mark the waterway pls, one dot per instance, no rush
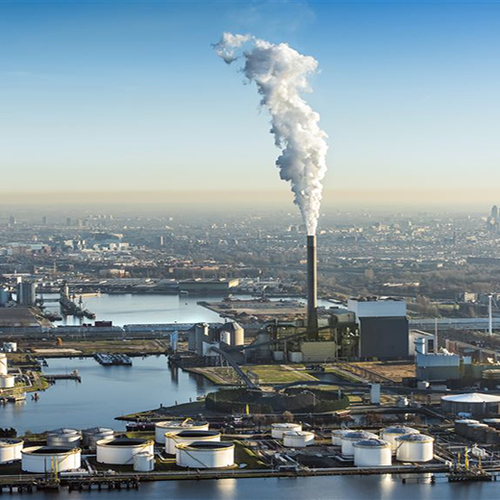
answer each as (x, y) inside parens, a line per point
(103, 394)
(384, 487)
(126, 309)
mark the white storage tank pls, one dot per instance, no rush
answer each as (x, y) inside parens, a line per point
(298, 439)
(144, 462)
(10, 450)
(64, 437)
(176, 426)
(121, 451)
(372, 453)
(415, 448)
(277, 430)
(390, 434)
(7, 381)
(337, 436)
(42, 459)
(203, 455)
(92, 435)
(349, 438)
(188, 436)
(3, 363)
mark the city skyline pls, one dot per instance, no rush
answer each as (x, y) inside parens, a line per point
(118, 97)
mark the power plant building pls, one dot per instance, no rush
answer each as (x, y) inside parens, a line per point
(383, 327)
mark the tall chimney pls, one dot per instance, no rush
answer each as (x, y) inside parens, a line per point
(312, 284)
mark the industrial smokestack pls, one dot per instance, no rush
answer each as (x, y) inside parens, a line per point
(312, 284)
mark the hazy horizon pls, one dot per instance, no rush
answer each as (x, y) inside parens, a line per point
(373, 200)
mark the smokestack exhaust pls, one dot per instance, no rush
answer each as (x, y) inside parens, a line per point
(312, 285)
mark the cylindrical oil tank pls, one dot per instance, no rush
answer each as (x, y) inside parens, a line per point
(349, 438)
(92, 435)
(3, 364)
(42, 459)
(188, 436)
(372, 453)
(390, 434)
(121, 451)
(10, 450)
(492, 422)
(64, 437)
(298, 439)
(461, 425)
(205, 455)
(176, 426)
(477, 432)
(144, 462)
(7, 381)
(277, 430)
(415, 448)
(492, 436)
(337, 436)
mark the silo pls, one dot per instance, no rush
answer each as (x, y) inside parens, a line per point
(144, 462)
(4, 297)
(415, 448)
(10, 450)
(44, 459)
(350, 438)
(298, 439)
(237, 335)
(201, 335)
(172, 439)
(176, 426)
(203, 455)
(372, 453)
(92, 435)
(390, 434)
(3, 364)
(64, 437)
(121, 451)
(277, 430)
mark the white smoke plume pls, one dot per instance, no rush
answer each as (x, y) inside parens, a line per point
(280, 74)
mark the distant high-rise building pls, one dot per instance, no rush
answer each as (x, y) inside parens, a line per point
(68, 221)
(12, 220)
(44, 221)
(26, 293)
(494, 212)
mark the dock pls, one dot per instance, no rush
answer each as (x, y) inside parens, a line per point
(65, 376)
(113, 359)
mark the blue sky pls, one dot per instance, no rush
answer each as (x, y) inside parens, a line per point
(119, 96)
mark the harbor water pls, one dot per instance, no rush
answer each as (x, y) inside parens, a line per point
(312, 488)
(104, 393)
